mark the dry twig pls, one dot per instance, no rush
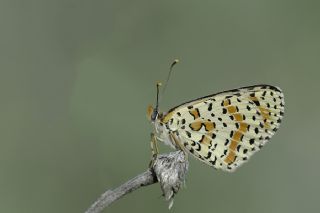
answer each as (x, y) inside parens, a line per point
(168, 169)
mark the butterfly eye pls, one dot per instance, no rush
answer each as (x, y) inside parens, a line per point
(154, 115)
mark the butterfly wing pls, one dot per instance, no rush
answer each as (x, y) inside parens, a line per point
(225, 129)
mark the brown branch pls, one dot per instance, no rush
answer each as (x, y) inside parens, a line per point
(169, 169)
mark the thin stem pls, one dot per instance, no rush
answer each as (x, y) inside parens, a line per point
(144, 179)
(169, 169)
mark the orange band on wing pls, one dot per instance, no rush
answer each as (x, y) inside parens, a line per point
(265, 116)
(209, 125)
(237, 136)
(231, 155)
(196, 126)
(243, 127)
(231, 109)
(195, 113)
(238, 117)
(264, 112)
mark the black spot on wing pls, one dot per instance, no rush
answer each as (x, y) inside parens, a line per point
(209, 155)
(256, 102)
(188, 134)
(198, 148)
(251, 141)
(227, 142)
(214, 161)
(183, 121)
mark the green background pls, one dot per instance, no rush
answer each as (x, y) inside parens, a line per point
(76, 77)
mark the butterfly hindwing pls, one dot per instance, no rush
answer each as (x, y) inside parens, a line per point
(225, 129)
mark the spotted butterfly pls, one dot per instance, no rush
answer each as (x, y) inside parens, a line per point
(225, 129)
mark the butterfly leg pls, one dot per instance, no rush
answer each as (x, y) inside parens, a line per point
(179, 145)
(154, 150)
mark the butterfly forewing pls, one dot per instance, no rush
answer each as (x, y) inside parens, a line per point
(225, 129)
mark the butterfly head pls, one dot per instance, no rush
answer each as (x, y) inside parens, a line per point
(153, 114)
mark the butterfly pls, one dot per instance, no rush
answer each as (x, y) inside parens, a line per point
(224, 129)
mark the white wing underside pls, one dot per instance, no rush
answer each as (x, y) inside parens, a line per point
(223, 130)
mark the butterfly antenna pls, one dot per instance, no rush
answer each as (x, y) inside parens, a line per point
(158, 89)
(168, 77)
(156, 110)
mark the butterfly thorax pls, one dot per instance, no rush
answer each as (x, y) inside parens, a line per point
(162, 128)
(162, 133)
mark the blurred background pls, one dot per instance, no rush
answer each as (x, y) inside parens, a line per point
(76, 77)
